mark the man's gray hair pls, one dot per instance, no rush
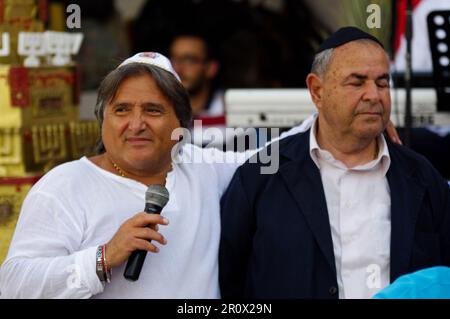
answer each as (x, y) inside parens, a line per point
(321, 62)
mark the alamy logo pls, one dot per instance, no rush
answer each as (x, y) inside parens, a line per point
(73, 20)
(374, 19)
(74, 279)
(374, 278)
(235, 150)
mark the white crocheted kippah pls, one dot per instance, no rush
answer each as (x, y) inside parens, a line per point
(152, 58)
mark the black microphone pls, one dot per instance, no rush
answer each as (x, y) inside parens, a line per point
(156, 197)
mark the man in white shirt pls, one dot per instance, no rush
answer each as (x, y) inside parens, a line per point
(325, 225)
(78, 224)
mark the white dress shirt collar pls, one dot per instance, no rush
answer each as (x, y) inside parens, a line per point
(316, 152)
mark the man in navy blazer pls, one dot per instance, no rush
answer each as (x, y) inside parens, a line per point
(347, 212)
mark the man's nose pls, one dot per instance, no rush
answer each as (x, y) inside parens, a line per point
(137, 122)
(372, 92)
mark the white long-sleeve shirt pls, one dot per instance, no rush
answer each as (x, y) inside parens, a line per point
(358, 203)
(78, 206)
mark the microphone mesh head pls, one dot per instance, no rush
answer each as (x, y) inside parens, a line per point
(157, 195)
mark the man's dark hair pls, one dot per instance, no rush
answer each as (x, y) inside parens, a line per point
(166, 82)
(211, 52)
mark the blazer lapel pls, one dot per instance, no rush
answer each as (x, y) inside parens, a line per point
(304, 183)
(406, 198)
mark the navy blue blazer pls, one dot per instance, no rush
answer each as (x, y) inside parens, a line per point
(276, 239)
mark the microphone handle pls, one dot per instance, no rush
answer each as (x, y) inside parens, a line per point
(137, 257)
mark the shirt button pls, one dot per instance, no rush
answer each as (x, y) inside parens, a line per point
(333, 290)
(349, 239)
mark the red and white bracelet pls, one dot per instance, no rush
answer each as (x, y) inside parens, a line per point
(103, 271)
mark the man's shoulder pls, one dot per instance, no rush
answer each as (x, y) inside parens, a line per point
(62, 175)
(287, 147)
(67, 168)
(282, 151)
(407, 156)
(413, 163)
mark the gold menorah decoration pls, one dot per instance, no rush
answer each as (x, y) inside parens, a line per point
(82, 137)
(49, 143)
(10, 146)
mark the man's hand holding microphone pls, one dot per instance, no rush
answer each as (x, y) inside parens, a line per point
(133, 239)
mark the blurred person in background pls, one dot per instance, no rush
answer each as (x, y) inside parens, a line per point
(193, 59)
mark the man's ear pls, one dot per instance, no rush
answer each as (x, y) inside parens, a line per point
(315, 87)
(212, 69)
